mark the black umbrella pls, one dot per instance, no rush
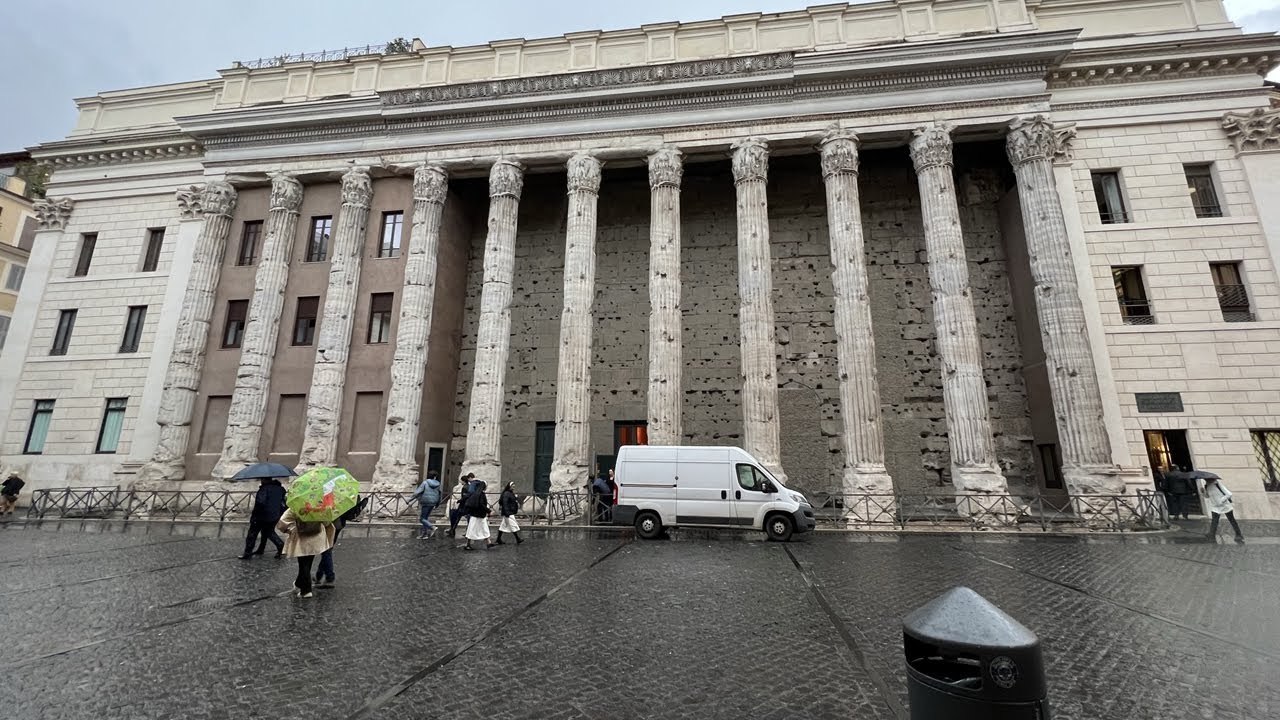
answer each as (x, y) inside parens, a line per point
(259, 471)
(1201, 475)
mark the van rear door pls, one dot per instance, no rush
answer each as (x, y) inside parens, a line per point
(702, 487)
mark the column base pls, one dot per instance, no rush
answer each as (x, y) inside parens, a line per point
(396, 476)
(487, 471)
(868, 497)
(159, 475)
(992, 506)
(1094, 480)
(226, 468)
(565, 478)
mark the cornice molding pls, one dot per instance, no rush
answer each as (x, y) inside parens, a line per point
(1160, 99)
(1120, 71)
(91, 158)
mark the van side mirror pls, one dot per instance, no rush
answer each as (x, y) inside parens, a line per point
(768, 487)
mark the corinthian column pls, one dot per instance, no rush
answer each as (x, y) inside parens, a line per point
(493, 338)
(258, 349)
(665, 364)
(974, 468)
(216, 202)
(570, 464)
(1073, 380)
(329, 375)
(398, 460)
(760, 423)
(864, 470)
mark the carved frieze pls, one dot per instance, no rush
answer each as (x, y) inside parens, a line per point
(839, 150)
(666, 166)
(596, 79)
(1257, 130)
(584, 173)
(931, 146)
(53, 214)
(750, 160)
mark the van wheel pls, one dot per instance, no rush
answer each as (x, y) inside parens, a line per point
(648, 525)
(779, 527)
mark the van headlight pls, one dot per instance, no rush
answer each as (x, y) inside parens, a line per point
(799, 498)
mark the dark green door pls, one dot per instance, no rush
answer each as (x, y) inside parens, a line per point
(544, 445)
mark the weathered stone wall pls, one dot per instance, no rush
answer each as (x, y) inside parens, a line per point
(910, 381)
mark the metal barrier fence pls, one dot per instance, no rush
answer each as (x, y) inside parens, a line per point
(1144, 510)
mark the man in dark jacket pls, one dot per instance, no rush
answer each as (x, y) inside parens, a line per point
(9, 493)
(468, 485)
(1179, 491)
(268, 506)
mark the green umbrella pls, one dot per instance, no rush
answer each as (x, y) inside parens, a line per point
(322, 494)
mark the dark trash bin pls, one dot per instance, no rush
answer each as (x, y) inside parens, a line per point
(967, 659)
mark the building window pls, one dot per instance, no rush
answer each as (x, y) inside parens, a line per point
(1134, 306)
(112, 424)
(630, 432)
(1204, 196)
(250, 238)
(318, 242)
(4, 329)
(304, 321)
(1266, 445)
(155, 240)
(1106, 188)
(62, 338)
(233, 333)
(392, 225)
(1233, 299)
(87, 243)
(38, 430)
(133, 328)
(380, 318)
(14, 280)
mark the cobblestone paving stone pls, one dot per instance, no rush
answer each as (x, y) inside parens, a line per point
(161, 621)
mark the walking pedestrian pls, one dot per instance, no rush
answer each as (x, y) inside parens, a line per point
(304, 541)
(325, 577)
(1217, 498)
(600, 489)
(476, 508)
(466, 484)
(268, 506)
(428, 497)
(9, 493)
(509, 505)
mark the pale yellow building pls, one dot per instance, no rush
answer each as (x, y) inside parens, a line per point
(17, 230)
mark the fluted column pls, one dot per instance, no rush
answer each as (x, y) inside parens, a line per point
(493, 337)
(1073, 379)
(864, 468)
(329, 373)
(398, 460)
(216, 202)
(974, 467)
(760, 423)
(258, 348)
(665, 353)
(570, 462)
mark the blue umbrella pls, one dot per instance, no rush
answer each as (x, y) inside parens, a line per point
(258, 471)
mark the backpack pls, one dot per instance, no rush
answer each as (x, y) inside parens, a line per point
(307, 529)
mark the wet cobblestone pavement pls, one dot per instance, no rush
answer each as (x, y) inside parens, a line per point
(138, 620)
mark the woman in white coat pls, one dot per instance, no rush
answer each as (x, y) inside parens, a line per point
(1217, 499)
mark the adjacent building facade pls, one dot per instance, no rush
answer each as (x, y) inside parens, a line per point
(981, 245)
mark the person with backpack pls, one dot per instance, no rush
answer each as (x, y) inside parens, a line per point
(466, 484)
(1218, 501)
(476, 507)
(428, 496)
(9, 493)
(325, 576)
(509, 505)
(304, 541)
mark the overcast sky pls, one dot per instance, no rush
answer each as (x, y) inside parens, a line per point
(53, 51)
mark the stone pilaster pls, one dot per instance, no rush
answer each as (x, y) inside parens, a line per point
(974, 467)
(665, 353)
(53, 214)
(1073, 380)
(214, 204)
(493, 337)
(864, 468)
(397, 465)
(760, 422)
(258, 348)
(329, 374)
(570, 463)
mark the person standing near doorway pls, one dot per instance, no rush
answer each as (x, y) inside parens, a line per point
(1178, 490)
(1217, 499)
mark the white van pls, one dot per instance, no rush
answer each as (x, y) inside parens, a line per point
(666, 486)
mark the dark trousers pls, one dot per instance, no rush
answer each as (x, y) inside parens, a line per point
(1179, 503)
(455, 516)
(268, 532)
(1231, 516)
(303, 582)
(326, 558)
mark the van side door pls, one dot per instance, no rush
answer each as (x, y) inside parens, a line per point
(703, 495)
(749, 496)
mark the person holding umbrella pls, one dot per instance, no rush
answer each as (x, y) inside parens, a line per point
(1217, 498)
(315, 500)
(268, 505)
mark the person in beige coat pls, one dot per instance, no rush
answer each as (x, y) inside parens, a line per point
(304, 540)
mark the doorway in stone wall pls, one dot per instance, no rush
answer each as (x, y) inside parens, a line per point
(625, 432)
(544, 448)
(1167, 449)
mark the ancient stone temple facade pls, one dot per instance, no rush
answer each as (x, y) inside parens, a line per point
(952, 246)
